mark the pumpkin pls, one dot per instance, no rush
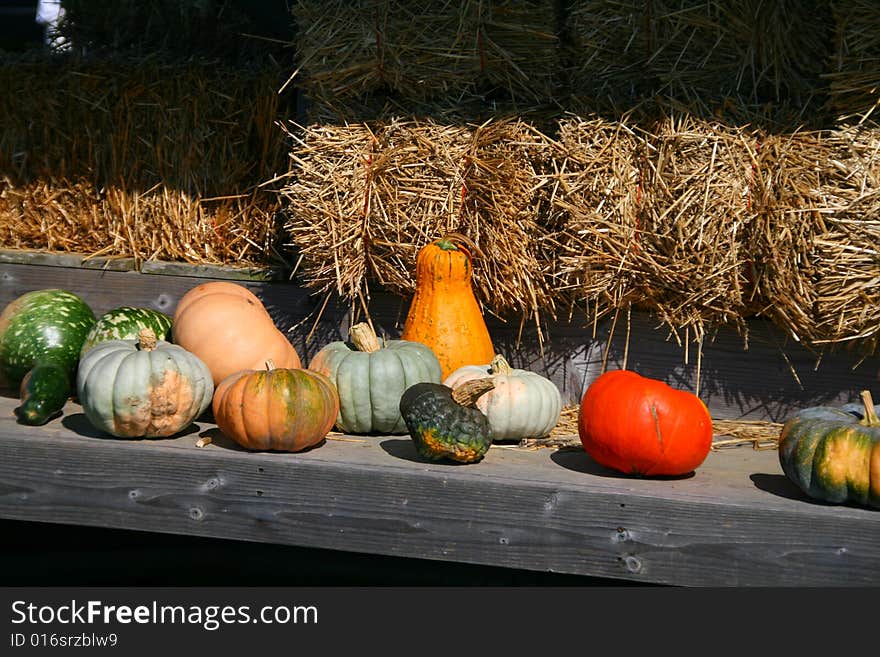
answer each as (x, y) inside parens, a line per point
(833, 454)
(445, 424)
(280, 409)
(371, 375)
(444, 313)
(522, 404)
(642, 426)
(228, 328)
(142, 388)
(41, 334)
(125, 323)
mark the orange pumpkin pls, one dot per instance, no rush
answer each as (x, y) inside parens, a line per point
(444, 314)
(229, 329)
(642, 426)
(276, 409)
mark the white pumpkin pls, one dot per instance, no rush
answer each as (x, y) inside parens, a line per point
(523, 404)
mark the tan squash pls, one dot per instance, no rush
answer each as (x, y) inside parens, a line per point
(229, 329)
(444, 313)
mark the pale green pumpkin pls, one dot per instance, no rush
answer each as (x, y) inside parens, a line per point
(142, 388)
(523, 404)
(371, 376)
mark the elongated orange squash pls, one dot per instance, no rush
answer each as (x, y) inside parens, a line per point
(444, 313)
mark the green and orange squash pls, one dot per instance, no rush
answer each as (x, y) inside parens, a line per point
(833, 454)
(279, 409)
(445, 424)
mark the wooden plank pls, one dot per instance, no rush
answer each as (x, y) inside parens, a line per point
(736, 522)
(766, 382)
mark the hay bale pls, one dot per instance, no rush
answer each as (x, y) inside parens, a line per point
(137, 158)
(621, 52)
(363, 199)
(348, 51)
(819, 253)
(853, 75)
(594, 199)
(655, 219)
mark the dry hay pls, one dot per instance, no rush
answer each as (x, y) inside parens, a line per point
(348, 50)
(853, 77)
(655, 219)
(594, 196)
(818, 253)
(700, 52)
(362, 199)
(139, 159)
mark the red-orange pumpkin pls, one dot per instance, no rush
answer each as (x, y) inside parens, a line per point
(276, 409)
(642, 426)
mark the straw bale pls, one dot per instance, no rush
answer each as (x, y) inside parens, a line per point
(853, 77)
(138, 158)
(362, 199)
(701, 52)
(820, 255)
(348, 50)
(654, 218)
(594, 195)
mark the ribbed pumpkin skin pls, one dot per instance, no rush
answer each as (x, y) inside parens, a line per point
(831, 457)
(124, 323)
(523, 404)
(370, 385)
(642, 426)
(442, 429)
(131, 393)
(42, 326)
(227, 326)
(444, 313)
(276, 409)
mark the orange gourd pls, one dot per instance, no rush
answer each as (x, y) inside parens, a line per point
(229, 329)
(276, 409)
(642, 426)
(444, 313)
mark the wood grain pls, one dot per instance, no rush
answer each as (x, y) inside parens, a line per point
(735, 522)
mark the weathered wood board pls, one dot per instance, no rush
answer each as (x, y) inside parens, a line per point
(737, 521)
(770, 379)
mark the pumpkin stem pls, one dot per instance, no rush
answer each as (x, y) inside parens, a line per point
(469, 392)
(146, 339)
(453, 241)
(270, 365)
(500, 365)
(364, 338)
(871, 418)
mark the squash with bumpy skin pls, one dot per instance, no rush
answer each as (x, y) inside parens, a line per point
(279, 409)
(833, 454)
(523, 404)
(142, 388)
(371, 375)
(445, 424)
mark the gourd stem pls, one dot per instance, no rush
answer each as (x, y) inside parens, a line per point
(871, 418)
(146, 339)
(364, 338)
(500, 365)
(469, 392)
